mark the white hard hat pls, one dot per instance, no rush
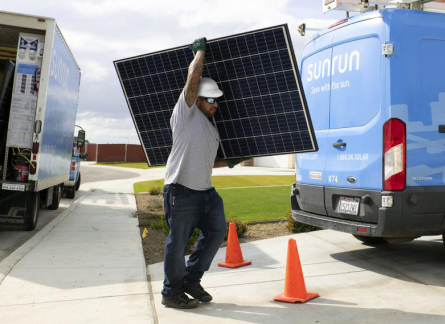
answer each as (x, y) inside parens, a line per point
(208, 88)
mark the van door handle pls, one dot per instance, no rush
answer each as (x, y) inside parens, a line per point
(339, 144)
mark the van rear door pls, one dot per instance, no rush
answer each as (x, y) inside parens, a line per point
(354, 142)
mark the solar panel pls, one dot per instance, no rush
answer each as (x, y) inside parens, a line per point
(263, 111)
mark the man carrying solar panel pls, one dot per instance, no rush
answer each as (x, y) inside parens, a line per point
(190, 201)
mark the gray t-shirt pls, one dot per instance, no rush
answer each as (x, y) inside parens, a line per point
(195, 144)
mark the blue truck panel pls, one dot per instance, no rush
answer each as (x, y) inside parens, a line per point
(60, 115)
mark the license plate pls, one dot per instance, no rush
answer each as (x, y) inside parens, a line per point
(349, 205)
(13, 187)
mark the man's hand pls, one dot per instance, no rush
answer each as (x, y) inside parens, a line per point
(199, 45)
(232, 162)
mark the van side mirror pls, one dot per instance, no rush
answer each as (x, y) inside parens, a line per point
(302, 29)
(81, 138)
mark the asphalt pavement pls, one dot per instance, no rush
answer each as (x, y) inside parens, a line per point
(87, 266)
(91, 173)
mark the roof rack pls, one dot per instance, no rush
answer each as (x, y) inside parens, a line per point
(370, 5)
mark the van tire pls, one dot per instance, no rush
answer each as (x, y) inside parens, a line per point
(78, 183)
(70, 192)
(32, 210)
(370, 240)
(57, 195)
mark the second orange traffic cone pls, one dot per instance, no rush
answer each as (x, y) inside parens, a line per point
(294, 286)
(234, 256)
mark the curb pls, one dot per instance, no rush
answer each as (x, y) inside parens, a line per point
(267, 222)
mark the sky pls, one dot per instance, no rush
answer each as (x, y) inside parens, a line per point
(101, 31)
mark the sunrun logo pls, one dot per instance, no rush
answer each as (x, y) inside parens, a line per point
(341, 63)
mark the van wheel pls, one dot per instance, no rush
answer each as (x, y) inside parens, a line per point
(70, 192)
(32, 210)
(57, 195)
(78, 183)
(370, 240)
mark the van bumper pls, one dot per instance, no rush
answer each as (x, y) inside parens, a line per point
(70, 183)
(416, 211)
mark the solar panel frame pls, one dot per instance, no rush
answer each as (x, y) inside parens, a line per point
(176, 61)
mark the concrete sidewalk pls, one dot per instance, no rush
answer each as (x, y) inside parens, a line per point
(357, 283)
(87, 266)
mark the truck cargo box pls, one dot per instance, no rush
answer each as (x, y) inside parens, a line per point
(40, 82)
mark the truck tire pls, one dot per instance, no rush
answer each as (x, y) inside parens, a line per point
(57, 195)
(32, 210)
(370, 240)
(70, 192)
(78, 183)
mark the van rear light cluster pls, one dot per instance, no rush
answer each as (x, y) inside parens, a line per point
(73, 166)
(394, 155)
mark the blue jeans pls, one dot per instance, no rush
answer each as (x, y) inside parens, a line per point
(185, 210)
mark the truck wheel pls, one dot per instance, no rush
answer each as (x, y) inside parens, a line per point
(78, 183)
(70, 192)
(57, 195)
(370, 240)
(32, 210)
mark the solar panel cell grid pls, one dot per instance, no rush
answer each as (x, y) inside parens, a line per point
(261, 112)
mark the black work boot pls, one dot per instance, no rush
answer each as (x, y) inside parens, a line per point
(196, 291)
(181, 301)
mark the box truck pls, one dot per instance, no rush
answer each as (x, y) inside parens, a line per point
(38, 104)
(375, 87)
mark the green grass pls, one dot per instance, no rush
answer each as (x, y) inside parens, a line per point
(256, 204)
(135, 165)
(220, 182)
(248, 204)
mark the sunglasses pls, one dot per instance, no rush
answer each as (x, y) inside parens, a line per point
(209, 100)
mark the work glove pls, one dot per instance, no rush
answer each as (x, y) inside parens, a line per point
(232, 162)
(199, 45)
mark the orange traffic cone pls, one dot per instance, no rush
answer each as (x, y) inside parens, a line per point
(234, 256)
(294, 286)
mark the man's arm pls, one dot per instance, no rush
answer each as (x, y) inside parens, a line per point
(195, 72)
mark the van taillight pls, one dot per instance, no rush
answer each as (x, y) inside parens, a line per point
(394, 155)
(73, 166)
